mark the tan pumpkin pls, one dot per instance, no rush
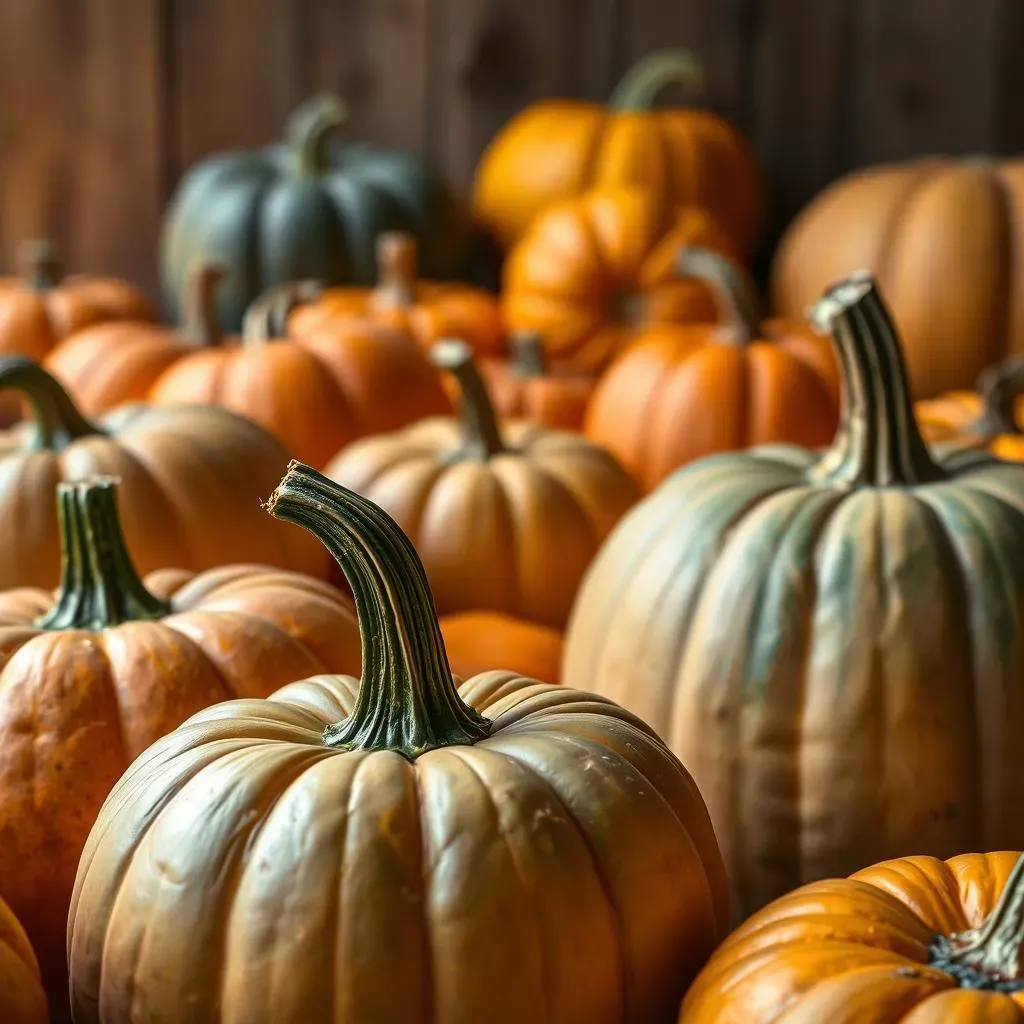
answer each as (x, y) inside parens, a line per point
(192, 480)
(22, 997)
(505, 517)
(941, 237)
(395, 848)
(109, 364)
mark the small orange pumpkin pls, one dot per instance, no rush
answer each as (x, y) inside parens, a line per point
(558, 149)
(109, 364)
(315, 392)
(22, 996)
(592, 271)
(689, 390)
(428, 310)
(910, 941)
(476, 641)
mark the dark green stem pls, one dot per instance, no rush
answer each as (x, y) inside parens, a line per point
(734, 294)
(397, 270)
(99, 586)
(309, 132)
(41, 268)
(878, 443)
(528, 354)
(640, 85)
(200, 322)
(481, 435)
(407, 698)
(999, 387)
(992, 956)
(267, 315)
(54, 421)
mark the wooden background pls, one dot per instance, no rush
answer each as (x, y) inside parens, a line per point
(103, 103)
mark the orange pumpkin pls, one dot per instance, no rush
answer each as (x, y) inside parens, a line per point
(317, 392)
(109, 364)
(506, 518)
(193, 478)
(910, 941)
(594, 270)
(93, 676)
(428, 310)
(477, 640)
(22, 996)
(987, 418)
(686, 391)
(558, 149)
(396, 848)
(942, 237)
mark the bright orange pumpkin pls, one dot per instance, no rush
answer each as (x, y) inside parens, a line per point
(593, 271)
(475, 641)
(558, 149)
(689, 390)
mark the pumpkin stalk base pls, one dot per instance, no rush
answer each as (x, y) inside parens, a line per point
(41, 266)
(481, 435)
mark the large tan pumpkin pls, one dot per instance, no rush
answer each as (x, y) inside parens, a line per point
(396, 850)
(943, 238)
(832, 642)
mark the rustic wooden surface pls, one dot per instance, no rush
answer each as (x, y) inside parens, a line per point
(103, 103)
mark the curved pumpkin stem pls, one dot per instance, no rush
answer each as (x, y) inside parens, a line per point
(878, 443)
(200, 322)
(54, 420)
(407, 700)
(528, 354)
(99, 585)
(639, 87)
(267, 315)
(41, 267)
(309, 130)
(397, 269)
(992, 956)
(999, 387)
(735, 296)
(481, 435)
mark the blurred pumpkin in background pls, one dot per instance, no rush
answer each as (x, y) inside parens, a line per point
(558, 149)
(22, 996)
(475, 641)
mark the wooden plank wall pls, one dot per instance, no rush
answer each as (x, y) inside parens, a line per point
(103, 103)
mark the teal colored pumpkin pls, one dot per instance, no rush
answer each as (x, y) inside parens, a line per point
(307, 208)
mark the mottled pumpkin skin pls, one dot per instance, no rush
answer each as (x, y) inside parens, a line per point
(853, 950)
(76, 707)
(22, 997)
(840, 669)
(562, 869)
(476, 640)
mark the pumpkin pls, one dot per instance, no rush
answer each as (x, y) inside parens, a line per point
(593, 271)
(428, 310)
(989, 417)
(832, 642)
(395, 848)
(506, 517)
(305, 209)
(915, 941)
(555, 150)
(941, 237)
(690, 390)
(22, 996)
(93, 676)
(193, 477)
(475, 640)
(109, 364)
(317, 392)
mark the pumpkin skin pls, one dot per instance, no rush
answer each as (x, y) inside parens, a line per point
(829, 641)
(428, 310)
(114, 665)
(475, 640)
(530, 504)
(193, 477)
(543, 844)
(305, 209)
(315, 393)
(886, 945)
(555, 150)
(691, 390)
(594, 271)
(940, 235)
(22, 997)
(111, 364)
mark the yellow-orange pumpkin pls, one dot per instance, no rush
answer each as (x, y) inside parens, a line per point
(477, 640)
(22, 996)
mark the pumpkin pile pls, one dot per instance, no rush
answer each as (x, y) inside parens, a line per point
(601, 645)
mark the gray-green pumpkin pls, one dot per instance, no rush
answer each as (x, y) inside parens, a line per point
(833, 643)
(308, 208)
